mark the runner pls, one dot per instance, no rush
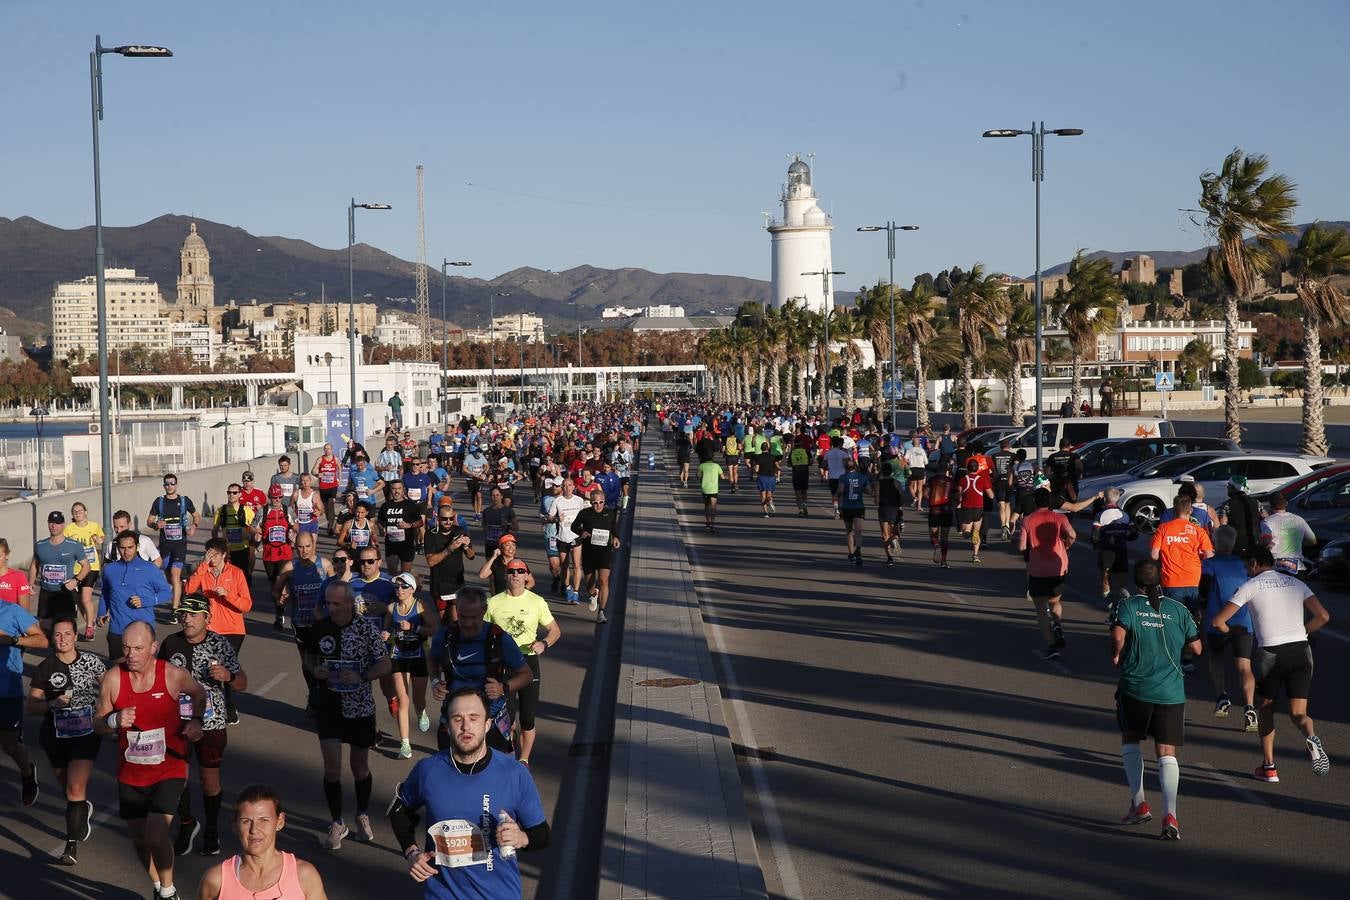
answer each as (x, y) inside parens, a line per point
(800, 460)
(1288, 536)
(260, 870)
(1148, 632)
(835, 465)
(916, 457)
(227, 591)
(1112, 533)
(447, 548)
(850, 498)
(56, 571)
(684, 448)
(565, 510)
(709, 476)
(256, 501)
(1003, 461)
(731, 457)
(349, 655)
(552, 490)
(19, 631)
(139, 702)
(90, 536)
(1180, 546)
(972, 490)
(278, 528)
(1220, 577)
(328, 470)
(469, 793)
(476, 473)
(389, 464)
(364, 480)
(287, 480)
(307, 506)
(623, 469)
(1284, 613)
(399, 519)
(357, 533)
(14, 586)
(213, 663)
(1044, 540)
(132, 588)
(64, 691)
(598, 530)
(299, 588)
(498, 520)
(234, 522)
(418, 483)
(146, 548)
(372, 592)
(766, 477)
(407, 625)
(175, 518)
(522, 614)
(938, 492)
(1065, 468)
(1244, 513)
(890, 505)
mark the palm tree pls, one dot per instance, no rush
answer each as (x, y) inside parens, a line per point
(1247, 212)
(1014, 348)
(846, 329)
(771, 337)
(1196, 359)
(797, 344)
(980, 305)
(914, 316)
(1321, 253)
(1089, 308)
(874, 306)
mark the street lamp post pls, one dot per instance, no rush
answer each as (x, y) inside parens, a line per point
(492, 337)
(445, 360)
(351, 304)
(96, 104)
(227, 420)
(891, 228)
(1038, 133)
(39, 412)
(825, 274)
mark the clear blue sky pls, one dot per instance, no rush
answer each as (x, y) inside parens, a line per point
(653, 135)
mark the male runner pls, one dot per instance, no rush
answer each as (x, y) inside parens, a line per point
(277, 526)
(1288, 536)
(19, 630)
(132, 588)
(1180, 546)
(890, 505)
(306, 505)
(800, 460)
(1220, 577)
(299, 588)
(328, 469)
(498, 520)
(850, 497)
(597, 529)
(1244, 513)
(1112, 533)
(234, 522)
(175, 518)
(400, 520)
(938, 492)
(1044, 540)
(447, 547)
(710, 475)
(284, 478)
(972, 489)
(565, 510)
(523, 614)
(1003, 461)
(835, 459)
(916, 457)
(731, 457)
(146, 548)
(56, 571)
(766, 477)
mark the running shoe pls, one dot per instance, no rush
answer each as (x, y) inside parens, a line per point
(1007, 535)
(424, 722)
(1221, 706)
(30, 787)
(188, 829)
(210, 844)
(232, 717)
(890, 563)
(1137, 814)
(279, 623)
(1171, 831)
(975, 558)
(1249, 714)
(937, 555)
(1321, 763)
(571, 597)
(772, 508)
(944, 565)
(595, 602)
(405, 750)
(766, 515)
(336, 832)
(601, 618)
(1267, 773)
(363, 832)
(69, 856)
(1051, 652)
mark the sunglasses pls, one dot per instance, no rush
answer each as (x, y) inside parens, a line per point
(170, 483)
(403, 587)
(231, 492)
(370, 562)
(517, 571)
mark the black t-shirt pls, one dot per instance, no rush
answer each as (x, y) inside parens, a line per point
(82, 677)
(447, 576)
(497, 522)
(1244, 514)
(1064, 465)
(397, 516)
(764, 462)
(707, 449)
(589, 519)
(1002, 461)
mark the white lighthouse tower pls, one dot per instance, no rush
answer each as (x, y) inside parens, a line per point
(801, 243)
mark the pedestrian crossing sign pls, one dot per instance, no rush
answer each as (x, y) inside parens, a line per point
(1162, 381)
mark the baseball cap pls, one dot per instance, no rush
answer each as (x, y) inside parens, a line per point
(194, 603)
(1239, 483)
(506, 539)
(275, 491)
(248, 476)
(56, 516)
(407, 579)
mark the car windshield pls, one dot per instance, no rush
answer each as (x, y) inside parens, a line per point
(1169, 467)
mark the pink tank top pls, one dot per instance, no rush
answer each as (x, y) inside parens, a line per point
(287, 886)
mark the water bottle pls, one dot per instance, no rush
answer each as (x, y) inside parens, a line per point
(507, 851)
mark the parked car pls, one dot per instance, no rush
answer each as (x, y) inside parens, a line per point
(1303, 483)
(1121, 455)
(1333, 561)
(1091, 428)
(1145, 498)
(987, 441)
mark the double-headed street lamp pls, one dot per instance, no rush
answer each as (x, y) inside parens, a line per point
(1038, 133)
(825, 274)
(891, 228)
(351, 303)
(445, 360)
(96, 104)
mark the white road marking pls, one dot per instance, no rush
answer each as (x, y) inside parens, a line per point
(958, 598)
(271, 683)
(1333, 634)
(1230, 783)
(1053, 663)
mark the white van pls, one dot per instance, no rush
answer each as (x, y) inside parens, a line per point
(1092, 428)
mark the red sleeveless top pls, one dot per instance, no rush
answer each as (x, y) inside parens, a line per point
(153, 749)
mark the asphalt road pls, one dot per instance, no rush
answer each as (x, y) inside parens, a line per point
(901, 736)
(274, 743)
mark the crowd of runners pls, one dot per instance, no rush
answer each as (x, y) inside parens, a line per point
(456, 650)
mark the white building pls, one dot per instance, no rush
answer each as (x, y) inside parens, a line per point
(801, 243)
(396, 332)
(524, 327)
(11, 347)
(198, 339)
(135, 314)
(620, 312)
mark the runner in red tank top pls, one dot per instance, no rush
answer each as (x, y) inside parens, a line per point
(140, 703)
(938, 494)
(973, 487)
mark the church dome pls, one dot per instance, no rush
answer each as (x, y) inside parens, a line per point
(193, 240)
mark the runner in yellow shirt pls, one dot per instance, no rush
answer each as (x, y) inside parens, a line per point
(90, 536)
(732, 458)
(521, 614)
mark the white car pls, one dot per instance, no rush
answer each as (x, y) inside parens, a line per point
(1145, 499)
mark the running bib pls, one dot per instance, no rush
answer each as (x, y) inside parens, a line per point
(173, 532)
(53, 573)
(185, 706)
(287, 490)
(394, 535)
(73, 722)
(415, 493)
(145, 748)
(552, 545)
(306, 515)
(360, 537)
(234, 535)
(494, 533)
(600, 537)
(342, 665)
(458, 843)
(407, 645)
(305, 601)
(91, 555)
(276, 534)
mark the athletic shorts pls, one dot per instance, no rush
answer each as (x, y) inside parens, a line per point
(940, 516)
(834, 486)
(56, 604)
(90, 579)
(969, 516)
(551, 547)
(333, 726)
(1113, 562)
(173, 554)
(210, 750)
(1164, 722)
(62, 751)
(471, 486)
(328, 495)
(11, 714)
(708, 497)
(593, 560)
(138, 802)
(1288, 666)
(416, 666)
(732, 460)
(766, 482)
(801, 481)
(890, 515)
(404, 551)
(849, 516)
(1240, 639)
(1026, 503)
(1000, 492)
(1045, 585)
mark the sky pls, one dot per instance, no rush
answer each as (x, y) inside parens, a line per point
(655, 135)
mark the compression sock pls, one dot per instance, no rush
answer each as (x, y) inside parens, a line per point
(364, 786)
(332, 792)
(212, 815)
(1169, 775)
(77, 819)
(185, 804)
(1133, 759)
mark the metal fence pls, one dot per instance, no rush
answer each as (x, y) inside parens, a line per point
(19, 464)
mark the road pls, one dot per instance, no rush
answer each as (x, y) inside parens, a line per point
(274, 743)
(910, 741)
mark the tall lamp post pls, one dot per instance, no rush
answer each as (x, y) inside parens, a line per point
(351, 304)
(825, 274)
(227, 428)
(891, 228)
(39, 412)
(96, 104)
(1038, 133)
(492, 337)
(445, 360)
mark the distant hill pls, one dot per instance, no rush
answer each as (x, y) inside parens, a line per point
(34, 256)
(1171, 259)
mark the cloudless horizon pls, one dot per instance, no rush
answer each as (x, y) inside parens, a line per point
(620, 135)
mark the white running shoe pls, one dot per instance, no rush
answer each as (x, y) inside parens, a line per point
(364, 834)
(336, 832)
(595, 601)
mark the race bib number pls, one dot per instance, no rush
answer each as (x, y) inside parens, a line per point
(394, 535)
(407, 645)
(287, 490)
(276, 534)
(600, 537)
(504, 722)
(91, 555)
(185, 706)
(360, 537)
(458, 843)
(552, 545)
(53, 573)
(336, 666)
(145, 748)
(415, 493)
(73, 722)
(494, 533)
(234, 535)
(306, 515)
(534, 461)
(173, 532)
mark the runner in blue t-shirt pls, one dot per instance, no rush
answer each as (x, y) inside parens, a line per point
(1220, 577)
(478, 656)
(19, 630)
(851, 496)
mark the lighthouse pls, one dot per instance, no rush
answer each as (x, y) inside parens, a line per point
(801, 243)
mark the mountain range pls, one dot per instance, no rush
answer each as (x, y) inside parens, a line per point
(35, 255)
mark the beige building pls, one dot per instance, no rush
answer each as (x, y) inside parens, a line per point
(196, 287)
(397, 332)
(196, 338)
(523, 326)
(11, 347)
(135, 314)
